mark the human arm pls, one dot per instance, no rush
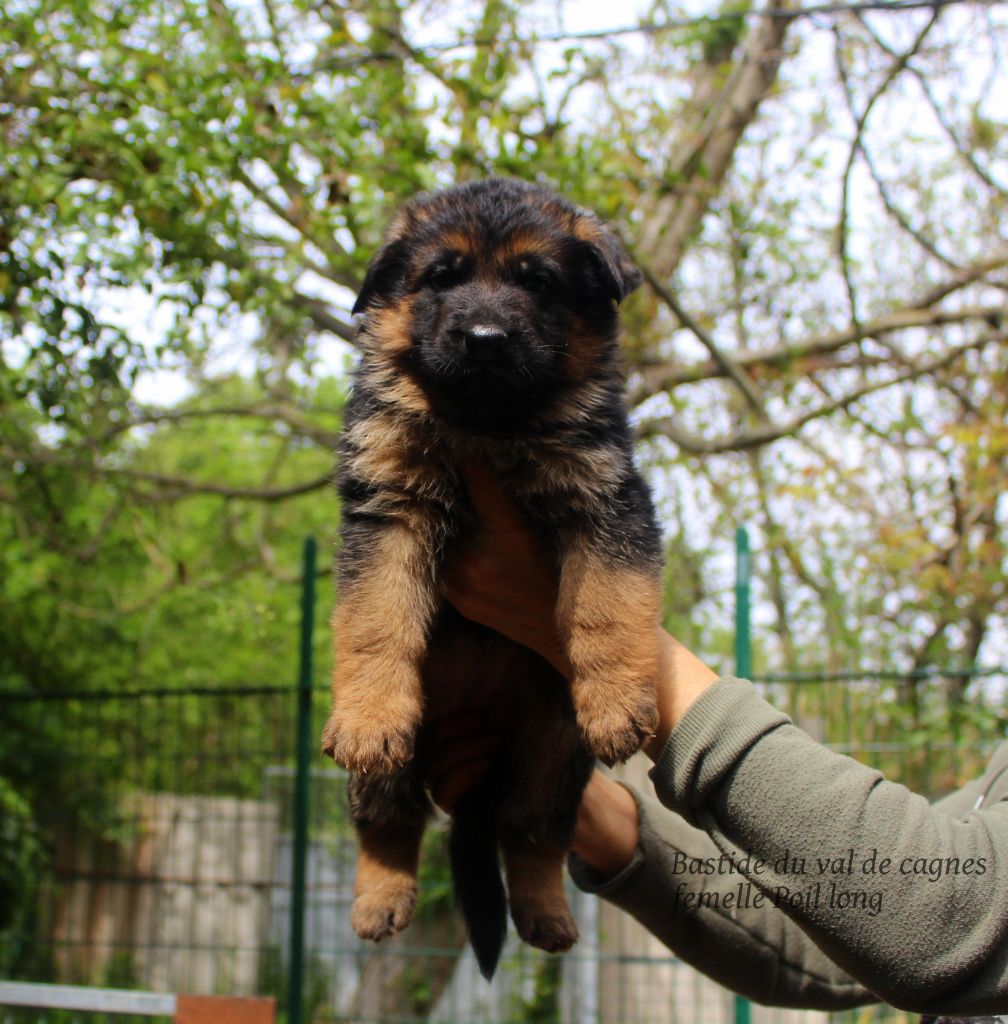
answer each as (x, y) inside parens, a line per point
(738, 770)
(716, 922)
(625, 849)
(641, 857)
(753, 782)
(506, 579)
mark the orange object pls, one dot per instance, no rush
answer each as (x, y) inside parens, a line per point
(224, 1010)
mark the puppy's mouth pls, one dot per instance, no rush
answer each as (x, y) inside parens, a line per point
(485, 378)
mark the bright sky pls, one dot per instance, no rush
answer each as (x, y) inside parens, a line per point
(147, 320)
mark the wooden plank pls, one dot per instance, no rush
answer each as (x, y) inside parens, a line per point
(80, 997)
(224, 1010)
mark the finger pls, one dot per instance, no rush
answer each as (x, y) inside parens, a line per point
(494, 507)
(455, 724)
(448, 790)
(451, 756)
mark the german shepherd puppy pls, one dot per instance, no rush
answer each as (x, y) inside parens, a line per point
(489, 334)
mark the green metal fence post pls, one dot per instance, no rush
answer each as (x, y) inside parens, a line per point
(299, 851)
(743, 668)
(743, 578)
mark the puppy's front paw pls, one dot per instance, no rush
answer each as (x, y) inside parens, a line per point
(613, 726)
(382, 743)
(380, 913)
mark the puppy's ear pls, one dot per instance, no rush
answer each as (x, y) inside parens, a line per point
(386, 274)
(606, 270)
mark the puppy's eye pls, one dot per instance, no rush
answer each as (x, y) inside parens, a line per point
(536, 279)
(442, 276)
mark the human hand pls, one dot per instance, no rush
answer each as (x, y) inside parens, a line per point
(607, 829)
(462, 746)
(503, 576)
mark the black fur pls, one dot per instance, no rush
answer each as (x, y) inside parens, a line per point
(472, 848)
(489, 334)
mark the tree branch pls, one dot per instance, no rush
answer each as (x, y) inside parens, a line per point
(727, 365)
(857, 146)
(961, 149)
(174, 487)
(674, 218)
(321, 316)
(769, 432)
(291, 216)
(284, 412)
(665, 378)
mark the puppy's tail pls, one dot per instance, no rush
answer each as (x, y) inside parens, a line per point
(479, 890)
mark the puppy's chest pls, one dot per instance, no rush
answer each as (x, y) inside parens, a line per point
(554, 469)
(416, 460)
(396, 457)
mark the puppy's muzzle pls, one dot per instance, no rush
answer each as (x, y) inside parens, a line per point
(483, 340)
(485, 334)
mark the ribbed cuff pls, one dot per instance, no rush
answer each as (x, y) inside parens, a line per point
(587, 879)
(717, 729)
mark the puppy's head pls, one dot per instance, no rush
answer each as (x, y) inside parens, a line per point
(494, 298)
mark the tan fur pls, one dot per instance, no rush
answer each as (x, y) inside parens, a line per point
(587, 474)
(380, 635)
(521, 245)
(582, 404)
(612, 649)
(536, 893)
(391, 327)
(406, 221)
(458, 241)
(386, 885)
(388, 457)
(397, 389)
(587, 229)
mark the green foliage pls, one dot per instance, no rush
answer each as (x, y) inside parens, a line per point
(273, 978)
(210, 154)
(106, 588)
(543, 1006)
(190, 191)
(20, 854)
(719, 36)
(434, 881)
(15, 1015)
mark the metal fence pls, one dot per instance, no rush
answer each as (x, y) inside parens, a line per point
(189, 853)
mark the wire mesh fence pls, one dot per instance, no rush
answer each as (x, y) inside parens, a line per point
(932, 730)
(167, 860)
(158, 864)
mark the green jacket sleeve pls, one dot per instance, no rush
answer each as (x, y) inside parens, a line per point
(719, 922)
(867, 890)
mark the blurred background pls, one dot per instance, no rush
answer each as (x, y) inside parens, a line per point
(189, 193)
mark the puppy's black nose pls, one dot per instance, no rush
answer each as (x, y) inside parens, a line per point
(484, 337)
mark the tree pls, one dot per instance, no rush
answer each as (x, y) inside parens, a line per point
(190, 190)
(811, 239)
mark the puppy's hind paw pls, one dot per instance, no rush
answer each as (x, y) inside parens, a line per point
(380, 915)
(551, 930)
